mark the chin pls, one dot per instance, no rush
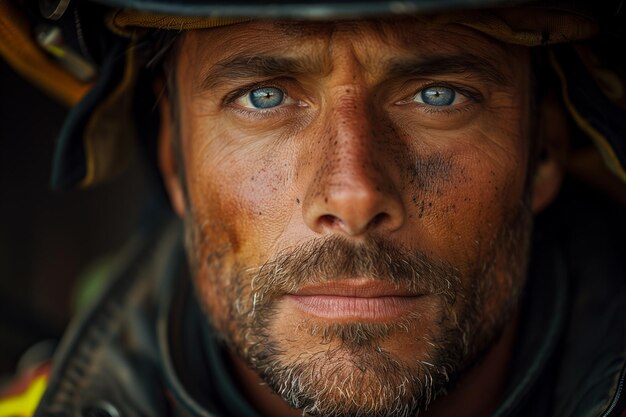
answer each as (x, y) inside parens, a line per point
(352, 368)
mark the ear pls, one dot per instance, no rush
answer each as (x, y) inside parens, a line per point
(168, 162)
(554, 131)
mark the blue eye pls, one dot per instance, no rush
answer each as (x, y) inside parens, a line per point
(437, 96)
(266, 97)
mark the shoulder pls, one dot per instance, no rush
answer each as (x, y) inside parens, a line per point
(108, 358)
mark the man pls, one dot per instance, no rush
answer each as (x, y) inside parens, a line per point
(357, 201)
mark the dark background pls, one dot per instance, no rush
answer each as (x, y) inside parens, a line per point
(49, 241)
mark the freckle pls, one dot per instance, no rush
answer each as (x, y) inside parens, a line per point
(260, 214)
(297, 200)
(421, 210)
(252, 178)
(325, 199)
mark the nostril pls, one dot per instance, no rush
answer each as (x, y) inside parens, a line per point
(329, 220)
(378, 219)
(334, 222)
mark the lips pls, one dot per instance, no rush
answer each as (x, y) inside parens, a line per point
(355, 299)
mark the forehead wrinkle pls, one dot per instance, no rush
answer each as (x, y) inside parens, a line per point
(305, 29)
(428, 39)
(447, 48)
(295, 46)
(261, 66)
(450, 64)
(249, 54)
(424, 32)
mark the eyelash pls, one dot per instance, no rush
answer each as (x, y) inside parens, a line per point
(240, 92)
(473, 95)
(235, 95)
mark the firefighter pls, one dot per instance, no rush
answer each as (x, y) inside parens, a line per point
(372, 208)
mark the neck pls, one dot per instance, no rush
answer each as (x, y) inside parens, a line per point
(477, 393)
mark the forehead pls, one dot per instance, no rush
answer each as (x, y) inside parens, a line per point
(371, 42)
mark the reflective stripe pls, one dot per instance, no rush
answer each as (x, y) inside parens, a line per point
(24, 403)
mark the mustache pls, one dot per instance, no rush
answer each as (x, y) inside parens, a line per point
(327, 259)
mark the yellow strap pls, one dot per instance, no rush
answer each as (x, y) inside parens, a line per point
(24, 404)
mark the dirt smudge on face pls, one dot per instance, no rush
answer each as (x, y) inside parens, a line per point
(429, 172)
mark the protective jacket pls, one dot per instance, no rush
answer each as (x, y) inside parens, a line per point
(145, 349)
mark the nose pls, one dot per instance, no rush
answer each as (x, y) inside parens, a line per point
(352, 192)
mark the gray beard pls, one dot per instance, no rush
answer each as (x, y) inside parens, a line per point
(351, 374)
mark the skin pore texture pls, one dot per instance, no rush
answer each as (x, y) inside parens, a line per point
(359, 249)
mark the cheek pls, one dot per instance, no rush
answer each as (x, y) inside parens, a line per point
(240, 193)
(460, 194)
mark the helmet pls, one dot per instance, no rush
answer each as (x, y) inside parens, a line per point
(93, 55)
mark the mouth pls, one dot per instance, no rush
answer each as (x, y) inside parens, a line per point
(355, 299)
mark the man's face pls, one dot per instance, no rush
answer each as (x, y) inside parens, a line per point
(356, 202)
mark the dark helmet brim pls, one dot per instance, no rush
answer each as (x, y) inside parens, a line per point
(300, 9)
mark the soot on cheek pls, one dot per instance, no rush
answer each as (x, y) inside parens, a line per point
(430, 172)
(428, 179)
(432, 181)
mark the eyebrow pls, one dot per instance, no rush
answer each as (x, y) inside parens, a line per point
(469, 64)
(248, 67)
